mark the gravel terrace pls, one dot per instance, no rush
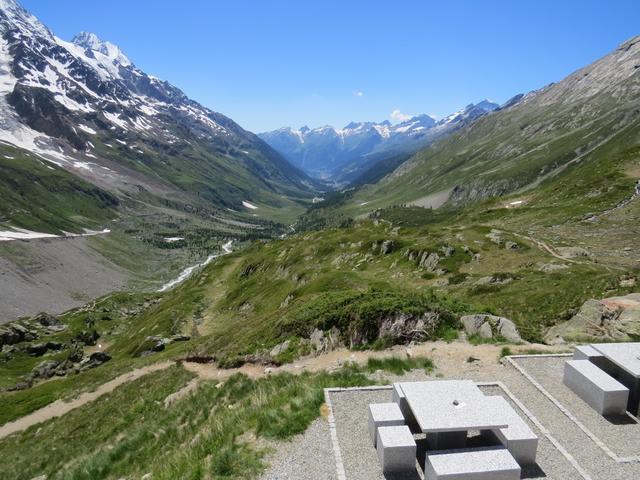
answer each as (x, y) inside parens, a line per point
(574, 455)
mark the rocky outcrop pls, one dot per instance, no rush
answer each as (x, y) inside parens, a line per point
(39, 349)
(398, 328)
(609, 319)
(404, 328)
(155, 343)
(491, 327)
(88, 337)
(384, 247)
(280, 348)
(94, 360)
(16, 333)
(325, 342)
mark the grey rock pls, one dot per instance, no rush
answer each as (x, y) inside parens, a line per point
(511, 245)
(278, 349)
(552, 267)
(94, 360)
(387, 247)
(46, 369)
(429, 261)
(318, 340)
(158, 343)
(180, 338)
(495, 237)
(15, 333)
(485, 330)
(486, 325)
(447, 250)
(47, 320)
(88, 337)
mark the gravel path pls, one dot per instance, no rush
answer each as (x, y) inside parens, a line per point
(306, 456)
(59, 407)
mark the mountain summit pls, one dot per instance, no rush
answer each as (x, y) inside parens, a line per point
(90, 41)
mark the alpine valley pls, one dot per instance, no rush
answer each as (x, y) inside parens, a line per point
(176, 292)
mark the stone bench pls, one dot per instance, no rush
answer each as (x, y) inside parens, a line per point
(396, 449)
(491, 463)
(586, 352)
(605, 394)
(518, 438)
(401, 400)
(383, 415)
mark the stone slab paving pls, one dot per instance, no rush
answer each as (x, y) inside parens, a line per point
(565, 451)
(360, 460)
(620, 433)
(592, 460)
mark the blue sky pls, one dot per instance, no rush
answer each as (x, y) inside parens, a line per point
(268, 64)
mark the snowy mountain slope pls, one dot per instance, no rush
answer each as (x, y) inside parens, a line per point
(343, 154)
(85, 107)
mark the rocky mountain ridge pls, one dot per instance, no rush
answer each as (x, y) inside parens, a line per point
(342, 153)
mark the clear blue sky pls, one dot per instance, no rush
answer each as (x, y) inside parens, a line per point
(268, 64)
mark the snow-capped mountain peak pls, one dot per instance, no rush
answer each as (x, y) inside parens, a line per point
(90, 41)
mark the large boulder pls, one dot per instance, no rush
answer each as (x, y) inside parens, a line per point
(610, 319)
(429, 261)
(46, 369)
(94, 360)
(280, 348)
(491, 326)
(325, 341)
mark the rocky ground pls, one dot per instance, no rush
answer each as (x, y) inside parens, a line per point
(53, 275)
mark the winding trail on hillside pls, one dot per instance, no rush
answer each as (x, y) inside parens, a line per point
(450, 359)
(545, 247)
(59, 407)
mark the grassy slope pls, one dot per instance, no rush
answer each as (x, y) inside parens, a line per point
(282, 289)
(228, 429)
(45, 198)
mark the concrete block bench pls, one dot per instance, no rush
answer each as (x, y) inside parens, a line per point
(383, 415)
(518, 438)
(605, 394)
(401, 400)
(492, 463)
(586, 352)
(396, 449)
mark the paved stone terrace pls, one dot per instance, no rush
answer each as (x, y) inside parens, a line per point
(575, 443)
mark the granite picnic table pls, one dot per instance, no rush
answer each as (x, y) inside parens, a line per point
(624, 359)
(446, 410)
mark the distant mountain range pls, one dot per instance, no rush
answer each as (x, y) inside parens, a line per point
(341, 155)
(84, 107)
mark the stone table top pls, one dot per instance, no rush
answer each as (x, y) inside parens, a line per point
(624, 355)
(453, 406)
